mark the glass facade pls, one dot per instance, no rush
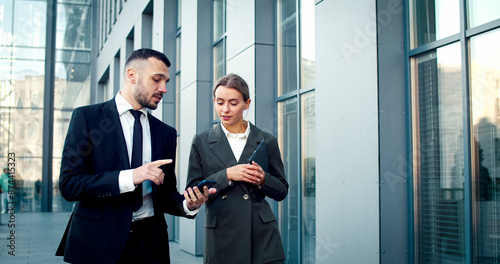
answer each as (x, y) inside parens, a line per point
(455, 76)
(296, 127)
(433, 20)
(438, 137)
(22, 89)
(219, 45)
(485, 122)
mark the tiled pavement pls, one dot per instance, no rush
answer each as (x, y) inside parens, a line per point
(35, 237)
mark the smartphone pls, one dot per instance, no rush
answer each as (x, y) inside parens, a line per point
(207, 183)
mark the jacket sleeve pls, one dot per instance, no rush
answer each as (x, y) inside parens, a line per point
(77, 181)
(196, 170)
(169, 196)
(275, 185)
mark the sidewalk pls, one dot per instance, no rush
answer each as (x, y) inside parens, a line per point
(34, 238)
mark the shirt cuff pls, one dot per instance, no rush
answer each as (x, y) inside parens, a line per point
(126, 181)
(189, 212)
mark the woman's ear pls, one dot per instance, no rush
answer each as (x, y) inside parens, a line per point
(247, 103)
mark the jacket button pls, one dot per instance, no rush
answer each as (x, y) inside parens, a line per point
(245, 196)
(224, 197)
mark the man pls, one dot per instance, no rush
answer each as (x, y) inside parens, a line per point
(101, 169)
(4, 190)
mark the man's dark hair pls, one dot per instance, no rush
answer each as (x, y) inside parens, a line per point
(144, 54)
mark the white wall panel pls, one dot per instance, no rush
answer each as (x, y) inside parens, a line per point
(347, 223)
(240, 26)
(244, 66)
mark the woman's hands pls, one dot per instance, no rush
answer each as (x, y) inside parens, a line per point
(251, 173)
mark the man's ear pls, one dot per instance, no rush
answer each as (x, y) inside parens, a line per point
(132, 76)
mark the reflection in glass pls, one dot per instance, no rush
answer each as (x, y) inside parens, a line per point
(27, 132)
(218, 19)
(485, 104)
(5, 24)
(438, 156)
(72, 85)
(308, 158)
(178, 103)
(73, 22)
(179, 14)
(28, 184)
(72, 79)
(289, 211)
(178, 53)
(218, 69)
(433, 20)
(307, 43)
(28, 53)
(61, 124)
(28, 82)
(482, 11)
(218, 61)
(287, 46)
(5, 131)
(29, 23)
(59, 204)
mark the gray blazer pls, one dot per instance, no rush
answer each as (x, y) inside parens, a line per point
(240, 225)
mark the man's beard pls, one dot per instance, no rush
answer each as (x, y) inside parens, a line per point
(142, 97)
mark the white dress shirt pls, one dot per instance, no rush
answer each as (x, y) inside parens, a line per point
(125, 178)
(237, 141)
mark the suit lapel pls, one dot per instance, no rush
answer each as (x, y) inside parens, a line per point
(253, 141)
(111, 124)
(155, 137)
(220, 146)
(221, 149)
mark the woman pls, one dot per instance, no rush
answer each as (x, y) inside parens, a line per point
(240, 226)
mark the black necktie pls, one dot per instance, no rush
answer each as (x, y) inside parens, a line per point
(137, 155)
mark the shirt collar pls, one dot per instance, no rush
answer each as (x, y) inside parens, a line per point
(123, 106)
(239, 135)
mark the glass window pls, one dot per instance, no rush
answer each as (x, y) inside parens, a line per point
(178, 52)
(307, 43)
(6, 12)
(287, 46)
(73, 23)
(28, 53)
(433, 20)
(72, 79)
(218, 61)
(28, 80)
(482, 11)
(219, 15)
(438, 156)
(28, 183)
(27, 133)
(219, 46)
(30, 23)
(289, 210)
(179, 14)
(5, 131)
(218, 68)
(71, 87)
(485, 105)
(308, 159)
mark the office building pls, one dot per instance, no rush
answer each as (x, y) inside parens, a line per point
(387, 112)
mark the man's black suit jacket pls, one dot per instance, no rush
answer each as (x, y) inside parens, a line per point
(94, 153)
